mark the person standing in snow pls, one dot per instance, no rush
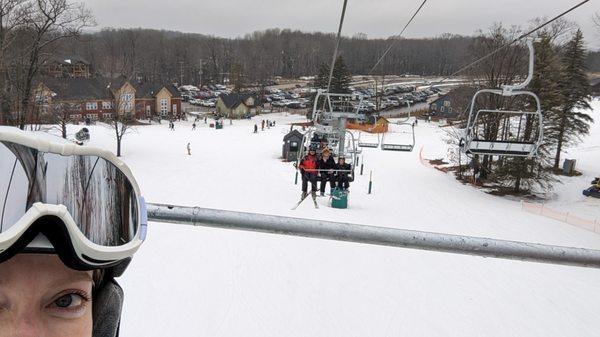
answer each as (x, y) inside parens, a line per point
(343, 174)
(476, 170)
(326, 166)
(194, 126)
(255, 128)
(189, 149)
(308, 169)
(262, 128)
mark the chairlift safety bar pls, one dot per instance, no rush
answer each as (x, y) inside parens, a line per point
(381, 236)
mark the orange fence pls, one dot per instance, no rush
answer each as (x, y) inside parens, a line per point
(539, 209)
(426, 162)
(381, 126)
(566, 217)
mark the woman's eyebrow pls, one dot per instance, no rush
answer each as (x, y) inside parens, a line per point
(73, 277)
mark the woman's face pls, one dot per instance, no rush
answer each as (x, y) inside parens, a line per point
(41, 297)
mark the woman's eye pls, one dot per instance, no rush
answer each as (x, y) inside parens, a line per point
(68, 301)
(71, 304)
(65, 301)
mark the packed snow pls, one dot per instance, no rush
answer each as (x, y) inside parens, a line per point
(189, 281)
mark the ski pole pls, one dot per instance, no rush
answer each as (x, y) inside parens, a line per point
(296, 180)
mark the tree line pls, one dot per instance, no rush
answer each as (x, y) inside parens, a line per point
(199, 59)
(164, 56)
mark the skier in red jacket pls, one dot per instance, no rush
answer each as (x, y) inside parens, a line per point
(308, 169)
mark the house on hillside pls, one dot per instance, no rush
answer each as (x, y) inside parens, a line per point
(452, 104)
(101, 98)
(595, 84)
(236, 105)
(161, 100)
(72, 66)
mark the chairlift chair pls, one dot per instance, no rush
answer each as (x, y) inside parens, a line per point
(362, 143)
(517, 146)
(401, 147)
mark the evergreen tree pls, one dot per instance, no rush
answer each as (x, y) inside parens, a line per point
(570, 121)
(322, 77)
(340, 82)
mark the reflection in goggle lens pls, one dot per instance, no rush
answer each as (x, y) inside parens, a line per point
(98, 196)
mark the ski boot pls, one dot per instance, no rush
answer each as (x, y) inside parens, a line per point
(304, 195)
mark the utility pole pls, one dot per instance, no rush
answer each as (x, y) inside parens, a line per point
(201, 72)
(180, 73)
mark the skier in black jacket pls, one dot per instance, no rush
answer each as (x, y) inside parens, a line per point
(326, 166)
(343, 174)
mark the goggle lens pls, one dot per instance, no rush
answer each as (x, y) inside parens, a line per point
(98, 195)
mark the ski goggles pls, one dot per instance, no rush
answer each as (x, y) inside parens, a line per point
(84, 201)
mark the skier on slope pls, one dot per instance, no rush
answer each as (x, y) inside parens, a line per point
(343, 174)
(189, 149)
(58, 269)
(308, 169)
(255, 128)
(326, 167)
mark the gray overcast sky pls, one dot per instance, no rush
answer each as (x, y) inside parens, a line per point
(376, 18)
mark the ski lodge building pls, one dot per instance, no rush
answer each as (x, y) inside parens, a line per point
(236, 105)
(99, 98)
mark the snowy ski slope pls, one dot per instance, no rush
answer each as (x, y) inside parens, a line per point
(210, 282)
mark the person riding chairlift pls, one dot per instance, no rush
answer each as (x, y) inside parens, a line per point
(326, 167)
(308, 169)
(343, 174)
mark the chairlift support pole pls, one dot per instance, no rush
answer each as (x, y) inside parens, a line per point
(381, 236)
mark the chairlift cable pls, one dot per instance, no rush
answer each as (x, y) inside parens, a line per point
(508, 44)
(337, 45)
(397, 37)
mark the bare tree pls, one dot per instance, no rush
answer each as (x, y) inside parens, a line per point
(12, 14)
(45, 22)
(61, 114)
(123, 117)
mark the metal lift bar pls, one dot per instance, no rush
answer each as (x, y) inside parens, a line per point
(381, 236)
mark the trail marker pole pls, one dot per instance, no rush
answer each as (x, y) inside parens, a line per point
(370, 182)
(362, 165)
